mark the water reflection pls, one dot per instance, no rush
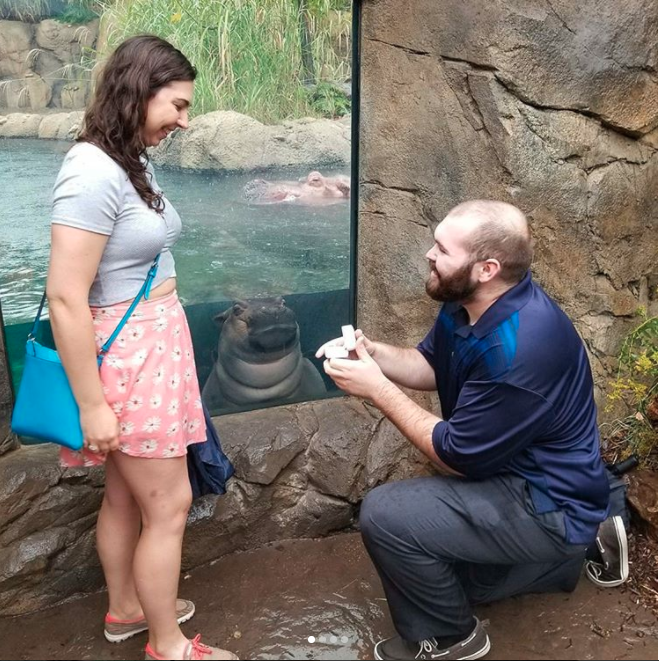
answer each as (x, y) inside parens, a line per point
(230, 249)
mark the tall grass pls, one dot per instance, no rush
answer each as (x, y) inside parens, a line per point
(24, 10)
(31, 11)
(247, 52)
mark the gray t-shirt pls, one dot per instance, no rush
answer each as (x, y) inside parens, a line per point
(92, 192)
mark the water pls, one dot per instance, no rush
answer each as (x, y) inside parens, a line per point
(228, 249)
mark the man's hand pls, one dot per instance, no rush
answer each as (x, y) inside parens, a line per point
(338, 342)
(360, 376)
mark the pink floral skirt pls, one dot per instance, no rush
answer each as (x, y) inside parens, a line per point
(150, 381)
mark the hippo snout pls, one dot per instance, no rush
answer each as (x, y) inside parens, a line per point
(275, 336)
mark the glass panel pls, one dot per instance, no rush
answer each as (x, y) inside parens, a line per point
(272, 245)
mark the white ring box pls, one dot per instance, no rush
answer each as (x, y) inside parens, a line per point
(349, 339)
(335, 351)
(342, 350)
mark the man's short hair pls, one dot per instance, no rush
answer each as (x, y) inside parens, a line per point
(501, 234)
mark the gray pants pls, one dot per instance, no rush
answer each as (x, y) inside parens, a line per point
(442, 544)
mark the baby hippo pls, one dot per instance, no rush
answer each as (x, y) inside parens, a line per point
(314, 189)
(259, 359)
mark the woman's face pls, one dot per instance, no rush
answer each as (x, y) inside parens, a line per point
(167, 110)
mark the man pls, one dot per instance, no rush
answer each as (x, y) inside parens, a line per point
(523, 489)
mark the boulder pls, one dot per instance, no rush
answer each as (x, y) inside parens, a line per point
(19, 125)
(15, 46)
(229, 141)
(642, 496)
(61, 126)
(66, 41)
(39, 91)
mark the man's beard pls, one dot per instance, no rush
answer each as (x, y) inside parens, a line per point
(456, 287)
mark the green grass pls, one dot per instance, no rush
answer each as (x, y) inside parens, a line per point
(78, 12)
(247, 52)
(24, 10)
(67, 11)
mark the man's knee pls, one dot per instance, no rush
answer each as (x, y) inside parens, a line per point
(381, 511)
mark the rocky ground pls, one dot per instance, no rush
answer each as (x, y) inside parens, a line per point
(268, 603)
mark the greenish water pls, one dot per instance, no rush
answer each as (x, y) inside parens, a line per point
(228, 249)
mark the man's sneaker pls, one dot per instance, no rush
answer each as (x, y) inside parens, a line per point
(116, 631)
(474, 646)
(611, 540)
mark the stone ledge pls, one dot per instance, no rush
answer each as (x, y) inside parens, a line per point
(300, 472)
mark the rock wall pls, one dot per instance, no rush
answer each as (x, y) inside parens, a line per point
(550, 105)
(300, 472)
(40, 64)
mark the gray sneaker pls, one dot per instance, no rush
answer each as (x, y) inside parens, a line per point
(611, 540)
(474, 646)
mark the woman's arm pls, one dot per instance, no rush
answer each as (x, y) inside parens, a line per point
(74, 259)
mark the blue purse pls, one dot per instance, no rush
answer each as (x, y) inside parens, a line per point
(46, 410)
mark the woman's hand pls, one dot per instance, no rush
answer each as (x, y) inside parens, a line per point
(100, 428)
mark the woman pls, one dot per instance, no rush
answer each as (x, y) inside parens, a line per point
(143, 408)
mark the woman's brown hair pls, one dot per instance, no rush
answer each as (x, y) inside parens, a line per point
(132, 75)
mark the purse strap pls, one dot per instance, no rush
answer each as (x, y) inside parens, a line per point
(144, 291)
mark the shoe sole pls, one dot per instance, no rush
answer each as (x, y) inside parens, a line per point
(624, 559)
(476, 655)
(119, 638)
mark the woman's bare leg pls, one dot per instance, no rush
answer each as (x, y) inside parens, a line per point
(162, 490)
(117, 533)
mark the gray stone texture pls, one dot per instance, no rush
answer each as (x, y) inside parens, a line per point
(548, 105)
(300, 471)
(226, 140)
(41, 64)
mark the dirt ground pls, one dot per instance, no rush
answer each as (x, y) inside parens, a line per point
(266, 604)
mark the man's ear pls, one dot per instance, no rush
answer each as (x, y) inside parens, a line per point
(488, 269)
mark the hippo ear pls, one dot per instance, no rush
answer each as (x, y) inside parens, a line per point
(239, 307)
(220, 318)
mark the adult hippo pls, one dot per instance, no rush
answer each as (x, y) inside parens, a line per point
(259, 359)
(314, 189)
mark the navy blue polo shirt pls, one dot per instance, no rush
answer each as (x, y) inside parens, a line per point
(517, 397)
